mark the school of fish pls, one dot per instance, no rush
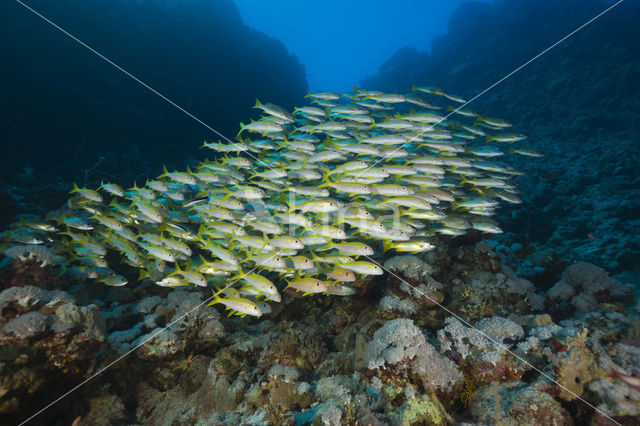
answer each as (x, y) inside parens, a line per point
(300, 200)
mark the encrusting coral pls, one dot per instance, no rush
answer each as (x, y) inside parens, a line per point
(585, 286)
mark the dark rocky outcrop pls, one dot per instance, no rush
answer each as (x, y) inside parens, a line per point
(578, 103)
(64, 108)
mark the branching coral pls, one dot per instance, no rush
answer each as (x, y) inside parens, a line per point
(467, 389)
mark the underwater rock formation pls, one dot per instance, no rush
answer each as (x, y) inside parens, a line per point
(517, 403)
(47, 345)
(309, 362)
(86, 120)
(399, 341)
(585, 285)
(577, 104)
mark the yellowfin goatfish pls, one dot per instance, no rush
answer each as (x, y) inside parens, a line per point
(300, 196)
(89, 194)
(238, 306)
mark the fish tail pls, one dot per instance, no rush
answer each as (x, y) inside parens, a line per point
(325, 178)
(63, 269)
(177, 271)
(315, 258)
(165, 172)
(258, 103)
(330, 245)
(308, 95)
(240, 271)
(75, 188)
(201, 231)
(216, 298)
(189, 263)
(386, 245)
(242, 126)
(143, 274)
(61, 219)
(489, 138)
(226, 197)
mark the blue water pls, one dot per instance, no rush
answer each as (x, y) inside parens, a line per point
(184, 71)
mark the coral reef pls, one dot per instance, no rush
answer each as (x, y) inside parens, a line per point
(42, 255)
(48, 344)
(574, 365)
(516, 403)
(386, 357)
(399, 341)
(585, 286)
(521, 328)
